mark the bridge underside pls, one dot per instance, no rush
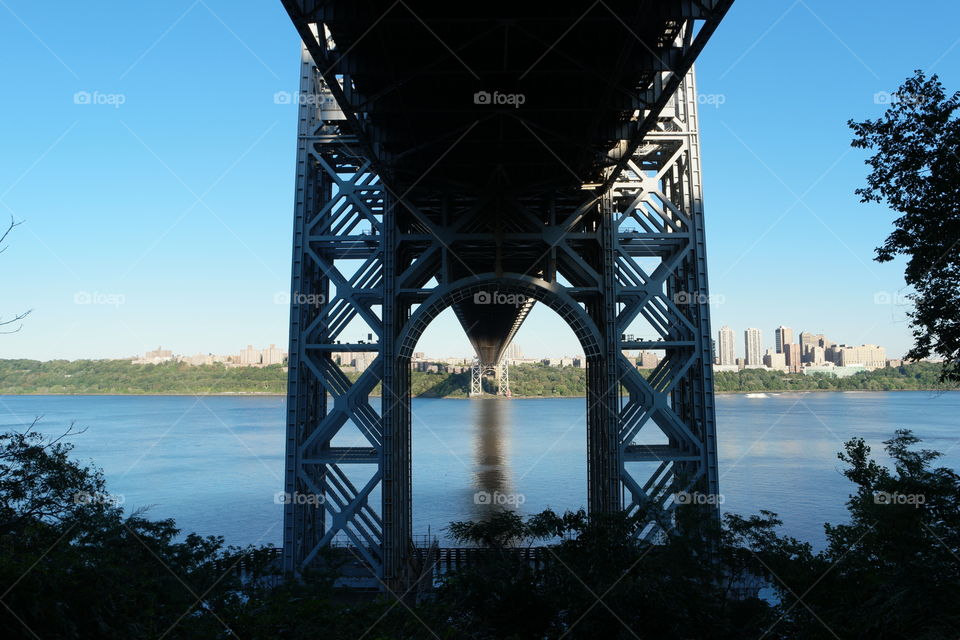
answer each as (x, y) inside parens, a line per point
(483, 158)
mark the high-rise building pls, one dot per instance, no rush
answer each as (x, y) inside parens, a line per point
(725, 343)
(647, 360)
(869, 355)
(752, 341)
(775, 360)
(807, 342)
(513, 352)
(791, 357)
(784, 336)
(272, 355)
(816, 355)
(250, 356)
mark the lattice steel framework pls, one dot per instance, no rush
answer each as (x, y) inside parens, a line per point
(499, 371)
(629, 249)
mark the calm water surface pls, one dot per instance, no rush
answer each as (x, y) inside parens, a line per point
(215, 463)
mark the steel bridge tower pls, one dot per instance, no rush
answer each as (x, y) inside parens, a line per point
(602, 222)
(500, 371)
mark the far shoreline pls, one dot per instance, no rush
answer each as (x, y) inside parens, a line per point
(265, 394)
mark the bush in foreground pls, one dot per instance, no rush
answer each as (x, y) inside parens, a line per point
(73, 565)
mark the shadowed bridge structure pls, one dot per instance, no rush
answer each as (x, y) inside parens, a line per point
(486, 157)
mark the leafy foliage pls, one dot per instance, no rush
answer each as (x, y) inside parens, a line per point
(915, 170)
(893, 571)
(82, 569)
(917, 376)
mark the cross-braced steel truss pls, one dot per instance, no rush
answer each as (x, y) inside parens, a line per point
(500, 373)
(606, 260)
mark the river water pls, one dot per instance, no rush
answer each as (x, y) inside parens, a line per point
(215, 463)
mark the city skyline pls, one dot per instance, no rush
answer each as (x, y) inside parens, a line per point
(805, 341)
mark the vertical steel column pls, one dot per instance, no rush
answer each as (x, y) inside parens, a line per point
(396, 415)
(698, 388)
(306, 399)
(603, 384)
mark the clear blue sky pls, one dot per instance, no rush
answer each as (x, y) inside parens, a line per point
(173, 209)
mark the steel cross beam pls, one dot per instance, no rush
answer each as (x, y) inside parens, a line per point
(364, 255)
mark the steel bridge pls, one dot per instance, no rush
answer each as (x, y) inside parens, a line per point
(487, 157)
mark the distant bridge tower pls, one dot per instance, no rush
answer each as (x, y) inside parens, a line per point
(423, 183)
(500, 372)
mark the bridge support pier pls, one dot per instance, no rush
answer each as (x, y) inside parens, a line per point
(370, 261)
(500, 372)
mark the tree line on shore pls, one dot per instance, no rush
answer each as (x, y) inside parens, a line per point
(527, 380)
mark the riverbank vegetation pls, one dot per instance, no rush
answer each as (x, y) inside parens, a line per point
(73, 564)
(526, 380)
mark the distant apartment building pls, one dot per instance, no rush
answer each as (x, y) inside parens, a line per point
(251, 357)
(817, 355)
(248, 357)
(356, 360)
(832, 353)
(791, 356)
(807, 342)
(784, 336)
(870, 356)
(717, 368)
(726, 346)
(752, 345)
(775, 360)
(647, 360)
(156, 356)
(272, 355)
(833, 370)
(514, 352)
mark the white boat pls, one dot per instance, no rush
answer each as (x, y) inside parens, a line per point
(757, 395)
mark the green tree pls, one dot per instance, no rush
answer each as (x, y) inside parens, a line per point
(893, 571)
(74, 566)
(915, 170)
